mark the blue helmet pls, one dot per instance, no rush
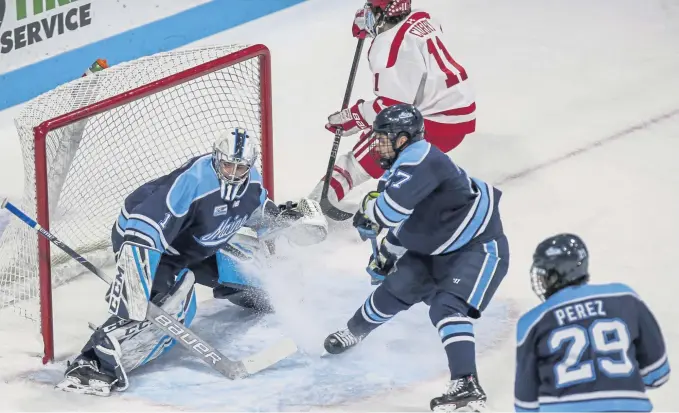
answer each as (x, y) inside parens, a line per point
(558, 262)
(396, 121)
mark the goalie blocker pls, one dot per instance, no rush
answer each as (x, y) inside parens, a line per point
(200, 223)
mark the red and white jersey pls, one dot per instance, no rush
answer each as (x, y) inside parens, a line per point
(410, 64)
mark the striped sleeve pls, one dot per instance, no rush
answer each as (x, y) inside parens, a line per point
(654, 366)
(408, 184)
(526, 381)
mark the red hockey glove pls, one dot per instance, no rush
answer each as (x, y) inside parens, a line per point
(358, 28)
(350, 120)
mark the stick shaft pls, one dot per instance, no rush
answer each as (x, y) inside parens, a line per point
(328, 209)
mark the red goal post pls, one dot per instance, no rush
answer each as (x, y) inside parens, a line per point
(86, 160)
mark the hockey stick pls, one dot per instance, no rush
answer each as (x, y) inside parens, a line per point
(169, 325)
(327, 208)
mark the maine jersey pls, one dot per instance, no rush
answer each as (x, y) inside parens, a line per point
(589, 348)
(183, 215)
(432, 206)
(410, 64)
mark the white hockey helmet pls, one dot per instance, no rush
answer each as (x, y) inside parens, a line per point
(233, 154)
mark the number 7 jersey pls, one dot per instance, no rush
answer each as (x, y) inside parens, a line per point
(589, 348)
(410, 64)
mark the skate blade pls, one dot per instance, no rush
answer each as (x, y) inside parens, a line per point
(73, 386)
(471, 407)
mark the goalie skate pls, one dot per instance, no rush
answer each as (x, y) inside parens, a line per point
(83, 377)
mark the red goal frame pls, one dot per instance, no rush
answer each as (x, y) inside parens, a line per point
(41, 131)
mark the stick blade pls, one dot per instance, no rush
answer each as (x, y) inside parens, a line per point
(334, 213)
(269, 356)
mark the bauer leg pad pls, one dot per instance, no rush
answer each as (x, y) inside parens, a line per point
(130, 291)
(120, 346)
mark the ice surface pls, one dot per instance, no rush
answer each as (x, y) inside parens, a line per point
(551, 78)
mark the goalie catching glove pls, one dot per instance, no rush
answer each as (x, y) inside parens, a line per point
(302, 223)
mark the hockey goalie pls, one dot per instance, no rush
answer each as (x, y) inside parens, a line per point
(197, 224)
(410, 64)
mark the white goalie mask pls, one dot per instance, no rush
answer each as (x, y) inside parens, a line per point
(233, 154)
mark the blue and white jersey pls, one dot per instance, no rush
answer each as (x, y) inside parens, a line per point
(589, 348)
(432, 206)
(183, 215)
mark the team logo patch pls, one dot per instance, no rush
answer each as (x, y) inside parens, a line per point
(405, 116)
(553, 251)
(221, 210)
(164, 221)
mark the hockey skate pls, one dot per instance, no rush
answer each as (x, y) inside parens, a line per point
(462, 395)
(341, 341)
(84, 377)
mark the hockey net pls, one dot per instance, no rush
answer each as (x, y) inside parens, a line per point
(90, 142)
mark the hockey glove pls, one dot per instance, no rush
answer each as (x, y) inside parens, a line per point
(349, 120)
(358, 29)
(381, 265)
(366, 228)
(289, 211)
(305, 223)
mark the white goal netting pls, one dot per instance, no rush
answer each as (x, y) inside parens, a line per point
(95, 162)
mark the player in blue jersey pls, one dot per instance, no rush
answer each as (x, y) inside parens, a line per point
(195, 224)
(586, 348)
(445, 246)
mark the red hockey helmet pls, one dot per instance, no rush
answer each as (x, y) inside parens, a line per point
(391, 8)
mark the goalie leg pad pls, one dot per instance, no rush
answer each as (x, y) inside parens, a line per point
(231, 269)
(130, 291)
(237, 285)
(121, 346)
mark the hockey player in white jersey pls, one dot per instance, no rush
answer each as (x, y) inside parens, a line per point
(196, 224)
(410, 64)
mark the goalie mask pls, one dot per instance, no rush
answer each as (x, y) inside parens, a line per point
(233, 154)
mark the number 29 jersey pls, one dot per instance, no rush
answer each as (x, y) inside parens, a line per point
(589, 348)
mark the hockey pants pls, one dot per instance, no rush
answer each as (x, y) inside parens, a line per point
(456, 286)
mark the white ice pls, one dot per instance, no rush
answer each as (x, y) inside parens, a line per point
(577, 123)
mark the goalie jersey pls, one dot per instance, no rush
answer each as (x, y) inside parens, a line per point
(431, 206)
(589, 348)
(183, 215)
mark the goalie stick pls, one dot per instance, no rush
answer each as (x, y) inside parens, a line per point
(232, 369)
(326, 206)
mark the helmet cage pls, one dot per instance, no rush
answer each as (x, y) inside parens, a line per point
(232, 159)
(386, 153)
